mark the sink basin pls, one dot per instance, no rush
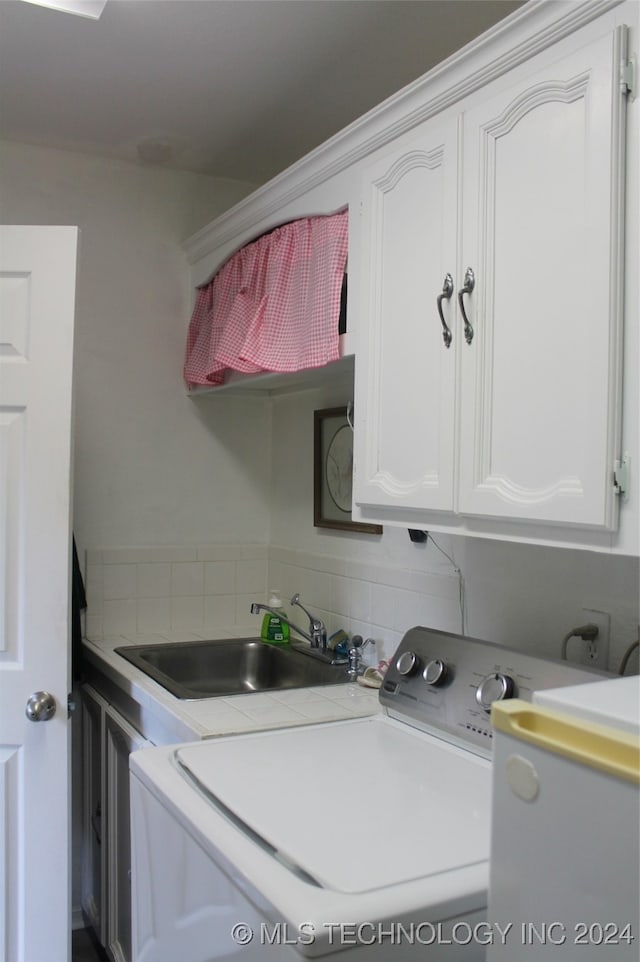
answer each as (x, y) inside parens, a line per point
(202, 669)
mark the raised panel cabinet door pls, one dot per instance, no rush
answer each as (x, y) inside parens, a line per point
(93, 709)
(404, 409)
(542, 231)
(121, 740)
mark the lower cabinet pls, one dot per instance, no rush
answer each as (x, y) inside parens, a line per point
(107, 741)
(93, 709)
(120, 740)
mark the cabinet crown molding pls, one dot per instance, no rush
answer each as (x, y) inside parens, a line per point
(506, 45)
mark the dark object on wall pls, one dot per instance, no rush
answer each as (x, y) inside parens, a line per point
(333, 472)
(417, 536)
(78, 604)
(342, 319)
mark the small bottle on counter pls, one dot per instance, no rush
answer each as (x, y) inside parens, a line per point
(275, 631)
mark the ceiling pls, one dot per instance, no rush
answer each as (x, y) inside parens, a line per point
(232, 88)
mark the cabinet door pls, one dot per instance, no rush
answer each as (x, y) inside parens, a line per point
(93, 886)
(542, 227)
(121, 740)
(404, 406)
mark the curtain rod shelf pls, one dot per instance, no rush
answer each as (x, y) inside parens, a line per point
(271, 384)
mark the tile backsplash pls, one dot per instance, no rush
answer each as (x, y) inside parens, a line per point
(197, 589)
(172, 588)
(362, 597)
(512, 594)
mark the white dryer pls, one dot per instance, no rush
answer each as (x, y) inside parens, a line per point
(367, 836)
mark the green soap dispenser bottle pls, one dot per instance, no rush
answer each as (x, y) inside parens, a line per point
(275, 631)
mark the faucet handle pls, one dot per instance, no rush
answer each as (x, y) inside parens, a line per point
(317, 629)
(312, 618)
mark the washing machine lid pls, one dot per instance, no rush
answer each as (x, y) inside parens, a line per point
(352, 806)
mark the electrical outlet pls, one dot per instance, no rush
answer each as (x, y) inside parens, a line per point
(593, 654)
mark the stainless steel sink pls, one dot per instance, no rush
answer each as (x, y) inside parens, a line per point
(202, 669)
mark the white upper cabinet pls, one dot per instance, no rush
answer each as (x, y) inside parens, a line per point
(509, 213)
(409, 210)
(540, 383)
(487, 284)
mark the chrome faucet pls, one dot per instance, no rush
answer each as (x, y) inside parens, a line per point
(317, 633)
(317, 630)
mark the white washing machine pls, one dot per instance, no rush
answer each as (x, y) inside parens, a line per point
(367, 836)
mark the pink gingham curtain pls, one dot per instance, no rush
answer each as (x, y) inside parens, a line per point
(274, 305)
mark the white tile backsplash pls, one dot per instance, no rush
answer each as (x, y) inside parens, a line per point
(187, 579)
(187, 613)
(221, 552)
(516, 595)
(184, 589)
(154, 580)
(172, 553)
(120, 581)
(154, 614)
(243, 609)
(219, 610)
(383, 606)
(219, 578)
(94, 587)
(119, 615)
(251, 575)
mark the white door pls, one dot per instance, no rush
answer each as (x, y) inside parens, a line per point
(405, 411)
(37, 296)
(542, 219)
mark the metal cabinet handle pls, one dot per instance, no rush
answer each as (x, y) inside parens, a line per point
(96, 824)
(468, 286)
(447, 291)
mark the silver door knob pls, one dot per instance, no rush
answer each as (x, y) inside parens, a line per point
(41, 706)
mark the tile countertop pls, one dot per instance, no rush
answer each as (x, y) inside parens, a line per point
(222, 715)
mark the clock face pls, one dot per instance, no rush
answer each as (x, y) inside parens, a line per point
(339, 468)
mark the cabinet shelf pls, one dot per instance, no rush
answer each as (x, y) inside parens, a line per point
(273, 384)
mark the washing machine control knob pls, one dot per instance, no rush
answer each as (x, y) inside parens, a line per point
(435, 673)
(407, 663)
(494, 687)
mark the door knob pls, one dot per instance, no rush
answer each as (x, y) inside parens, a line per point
(41, 706)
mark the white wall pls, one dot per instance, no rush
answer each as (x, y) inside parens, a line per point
(151, 465)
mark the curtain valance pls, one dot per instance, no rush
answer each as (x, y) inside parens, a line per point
(274, 305)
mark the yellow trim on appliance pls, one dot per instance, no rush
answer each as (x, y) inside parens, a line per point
(598, 746)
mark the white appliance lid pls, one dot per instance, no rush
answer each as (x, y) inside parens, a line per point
(357, 805)
(615, 702)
